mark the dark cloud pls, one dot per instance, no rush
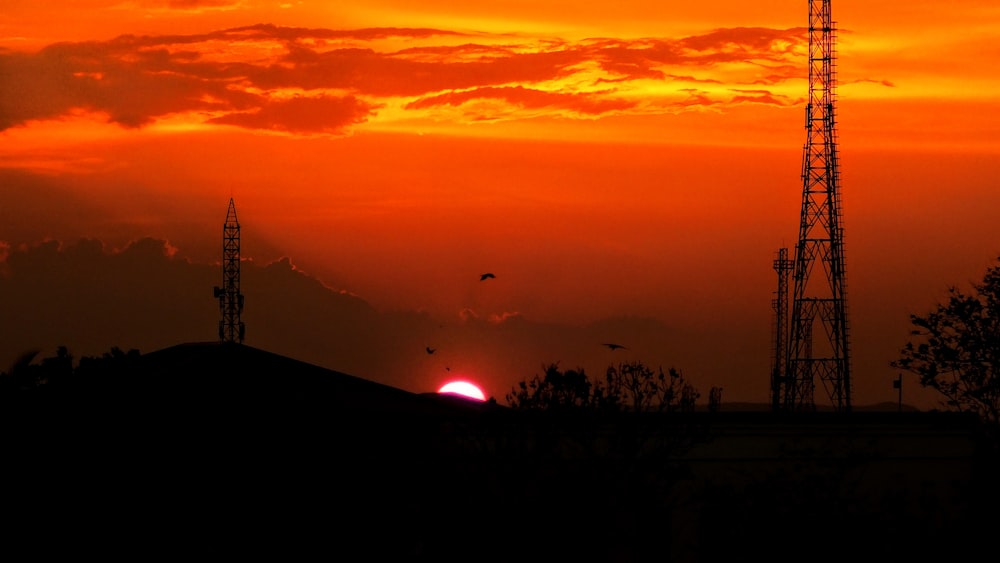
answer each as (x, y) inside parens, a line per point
(90, 297)
(755, 42)
(268, 31)
(760, 97)
(634, 59)
(885, 83)
(590, 103)
(189, 4)
(132, 86)
(697, 98)
(339, 80)
(381, 74)
(302, 115)
(137, 79)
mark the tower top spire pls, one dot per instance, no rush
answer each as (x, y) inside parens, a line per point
(231, 214)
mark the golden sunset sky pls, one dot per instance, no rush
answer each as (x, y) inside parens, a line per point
(630, 160)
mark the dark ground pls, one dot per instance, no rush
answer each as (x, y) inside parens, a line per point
(204, 460)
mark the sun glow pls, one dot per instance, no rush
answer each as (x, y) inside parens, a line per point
(463, 388)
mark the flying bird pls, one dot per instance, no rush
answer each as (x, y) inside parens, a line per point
(614, 346)
(431, 350)
(486, 276)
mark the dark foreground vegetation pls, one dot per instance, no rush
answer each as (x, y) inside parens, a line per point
(223, 451)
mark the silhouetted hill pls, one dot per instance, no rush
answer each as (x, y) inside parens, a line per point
(216, 403)
(224, 378)
(241, 377)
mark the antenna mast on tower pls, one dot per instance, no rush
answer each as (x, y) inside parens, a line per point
(231, 328)
(818, 344)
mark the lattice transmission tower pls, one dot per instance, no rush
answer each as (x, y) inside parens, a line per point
(231, 327)
(818, 347)
(779, 349)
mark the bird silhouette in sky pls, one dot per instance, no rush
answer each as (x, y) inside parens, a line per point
(486, 276)
(431, 350)
(614, 346)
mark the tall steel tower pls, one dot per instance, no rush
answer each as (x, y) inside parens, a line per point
(231, 328)
(818, 343)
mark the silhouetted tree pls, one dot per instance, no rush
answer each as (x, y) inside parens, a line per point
(21, 376)
(627, 387)
(556, 390)
(110, 380)
(956, 349)
(634, 387)
(609, 449)
(27, 374)
(111, 369)
(59, 374)
(56, 371)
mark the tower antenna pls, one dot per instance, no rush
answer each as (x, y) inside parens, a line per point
(818, 340)
(231, 327)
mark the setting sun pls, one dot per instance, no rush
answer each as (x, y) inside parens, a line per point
(463, 388)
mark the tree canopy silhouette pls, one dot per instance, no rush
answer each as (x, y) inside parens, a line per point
(956, 348)
(63, 374)
(627, 387)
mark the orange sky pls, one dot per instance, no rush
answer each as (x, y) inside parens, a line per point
(636, 159)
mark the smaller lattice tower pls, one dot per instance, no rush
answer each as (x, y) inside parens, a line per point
(231, 327)
(783, 265)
